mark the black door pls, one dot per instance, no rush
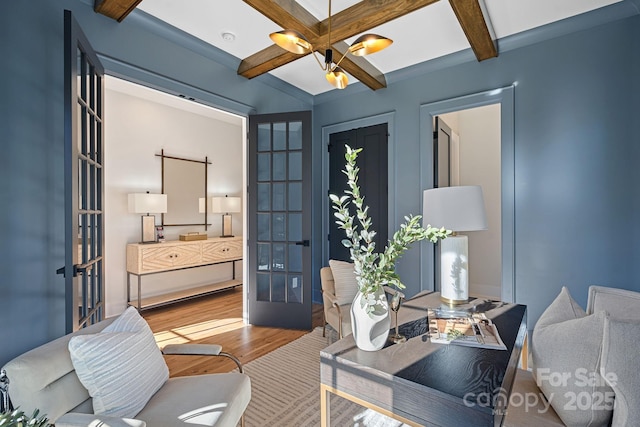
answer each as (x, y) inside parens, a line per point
(373, 181)
(279, 220)
(441, 154)
(84, 180)
(441, 176)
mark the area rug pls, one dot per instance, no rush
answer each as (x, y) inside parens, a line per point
(285, 389)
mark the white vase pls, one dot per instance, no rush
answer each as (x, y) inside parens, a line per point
(370, 330)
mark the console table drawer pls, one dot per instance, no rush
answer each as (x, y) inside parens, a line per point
(221, 250)
(163, 258)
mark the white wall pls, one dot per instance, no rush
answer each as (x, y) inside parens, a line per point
(139, 123)
(479, 131)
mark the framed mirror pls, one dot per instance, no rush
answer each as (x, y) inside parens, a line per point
(184, 181)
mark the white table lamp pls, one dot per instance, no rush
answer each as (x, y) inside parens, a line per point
(456, 209)
(148, 203)
(226, 205)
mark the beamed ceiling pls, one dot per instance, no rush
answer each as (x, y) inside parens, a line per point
(350, 19)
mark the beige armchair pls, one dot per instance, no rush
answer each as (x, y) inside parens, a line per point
(338, 316)
(45, 378)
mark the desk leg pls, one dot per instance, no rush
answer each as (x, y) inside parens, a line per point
(325, 410)
(128, 288)
(139, 294)
(524, 356)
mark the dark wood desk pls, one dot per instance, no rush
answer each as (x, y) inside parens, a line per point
(426, 384)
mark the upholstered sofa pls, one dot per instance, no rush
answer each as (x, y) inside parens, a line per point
(46, 378)
(585, 363)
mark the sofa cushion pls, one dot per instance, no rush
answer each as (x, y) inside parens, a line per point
(121, 367)
(202, 400)
(528, 407)
(566, 349)
(345, 281)
(620, 346)
(72, 419)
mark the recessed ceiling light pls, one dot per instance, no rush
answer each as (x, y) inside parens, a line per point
(228, 36)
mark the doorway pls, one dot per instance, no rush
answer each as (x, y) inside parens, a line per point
(142, 122)
(504, 97)
(474, 159)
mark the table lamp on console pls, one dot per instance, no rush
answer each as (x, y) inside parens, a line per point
(457, 209)
(226, 206)
(146, 203)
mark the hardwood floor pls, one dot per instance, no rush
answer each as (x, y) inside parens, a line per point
(216, 319)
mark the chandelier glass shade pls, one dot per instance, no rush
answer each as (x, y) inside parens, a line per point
(294, 42)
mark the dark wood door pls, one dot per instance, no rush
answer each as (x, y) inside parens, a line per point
(441, 176)
(373, 181)
(441, 154)
(279, 220)
(84, 180)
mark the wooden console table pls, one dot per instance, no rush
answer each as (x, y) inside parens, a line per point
(153, 258)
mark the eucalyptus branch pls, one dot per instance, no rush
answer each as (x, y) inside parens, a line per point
(374, 269)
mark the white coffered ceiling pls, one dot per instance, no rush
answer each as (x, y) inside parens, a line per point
(428, 33)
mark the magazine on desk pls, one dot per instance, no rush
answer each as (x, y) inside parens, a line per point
(472, 331)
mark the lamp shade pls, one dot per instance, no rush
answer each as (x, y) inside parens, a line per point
(291, 41)
(147, 203)
(368, 44)
(225, 204)
(338, 78)
(201, 204)
(455, 208)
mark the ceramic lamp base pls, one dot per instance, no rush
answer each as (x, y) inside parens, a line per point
(226, 226)
(148, 229)
(454, 270)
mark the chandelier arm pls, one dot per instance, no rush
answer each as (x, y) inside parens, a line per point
(338, 63)
(315, 55)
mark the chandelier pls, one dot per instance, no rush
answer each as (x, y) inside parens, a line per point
(295, 42)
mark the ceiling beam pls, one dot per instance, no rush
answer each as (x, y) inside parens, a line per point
(354, 20)
(115, 9)
(266, 60)
(474, 20)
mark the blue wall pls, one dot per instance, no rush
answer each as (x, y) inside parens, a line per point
(576, 155)
(577, 136)
(31, 117)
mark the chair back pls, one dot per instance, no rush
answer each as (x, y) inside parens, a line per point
(327, 283)
(44, 378)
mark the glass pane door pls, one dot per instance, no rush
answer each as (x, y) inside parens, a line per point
(84, 180)
(280, 220)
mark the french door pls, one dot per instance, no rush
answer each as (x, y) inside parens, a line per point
(84, 180)
(279, 220)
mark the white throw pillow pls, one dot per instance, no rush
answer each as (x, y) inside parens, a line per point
(566, 346)
(121, 367)
(345, 281)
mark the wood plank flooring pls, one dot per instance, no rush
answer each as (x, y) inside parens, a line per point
(216, 319)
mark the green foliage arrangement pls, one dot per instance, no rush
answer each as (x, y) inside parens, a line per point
(17, 418)
(374, 269)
